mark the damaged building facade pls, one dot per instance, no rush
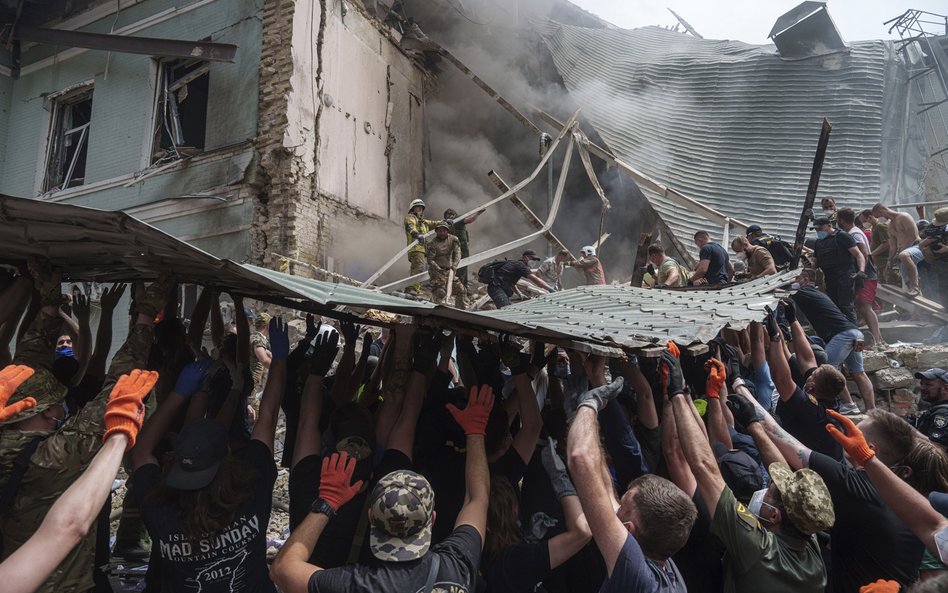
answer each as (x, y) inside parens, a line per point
(309, 136)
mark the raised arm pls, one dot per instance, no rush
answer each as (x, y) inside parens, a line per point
(644, 399)
(199, 314)
(678, 469)
(717, 425)
(291, 569)
(531, 423)
(806, 360)
(795, 453)
(308, 435)
(108, 301)
(587, 464)
(779, 366)
(265, 428)
(564, 546)
(694, 444)
(473, 419)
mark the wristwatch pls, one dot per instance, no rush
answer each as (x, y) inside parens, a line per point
(321, 506)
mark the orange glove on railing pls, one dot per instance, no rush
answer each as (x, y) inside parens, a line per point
(334, 482)
(673, 348)
(853, 442)
(881, 586)
(717, 378)
(12, 377)
(126, 409)
(473, 418)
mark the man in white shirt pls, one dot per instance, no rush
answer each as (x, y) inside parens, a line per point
(551, 270)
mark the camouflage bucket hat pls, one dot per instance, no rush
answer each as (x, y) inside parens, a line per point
(400, 526)
(805, 497)
(44, 388)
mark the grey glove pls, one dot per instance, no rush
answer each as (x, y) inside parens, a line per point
(600, 396)
(556, 469)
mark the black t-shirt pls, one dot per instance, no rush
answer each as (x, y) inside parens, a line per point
(335, 544)
(510, 465)
(823, 314)
(510, 273)
(868, 541)
(805, 418)
(699, 561)
(459, 553)
(517, 569)
(717, 263)
(832, 255)
(234, 559)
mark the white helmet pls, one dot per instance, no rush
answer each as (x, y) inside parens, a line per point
(588, 251)
(418, 202)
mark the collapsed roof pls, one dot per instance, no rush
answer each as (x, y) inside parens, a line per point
(735, 127)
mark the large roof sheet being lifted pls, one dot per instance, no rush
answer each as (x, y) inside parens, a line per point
(103, 246)
(734, 126)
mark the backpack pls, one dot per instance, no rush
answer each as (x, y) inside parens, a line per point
(779, 249)
(487, 272)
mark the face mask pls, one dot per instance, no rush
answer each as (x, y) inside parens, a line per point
(64, 351)
(756, 501)
(562, 371)
(821, 234)
(829, 210)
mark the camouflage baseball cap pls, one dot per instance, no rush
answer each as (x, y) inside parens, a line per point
(400, 525)
(44, 388)
(805, 497)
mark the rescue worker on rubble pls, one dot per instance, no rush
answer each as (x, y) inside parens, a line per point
(590, 266)
(458, 228)
(759, 261)
(416, 226)
(444, 254)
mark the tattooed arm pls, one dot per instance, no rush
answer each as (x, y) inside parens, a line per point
(796, 453)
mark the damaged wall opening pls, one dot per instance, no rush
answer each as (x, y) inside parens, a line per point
(181, 109)
(68, 139)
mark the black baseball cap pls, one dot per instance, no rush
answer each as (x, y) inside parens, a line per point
(200, 448)
(935, 373)
(821, 221)
(531, 254)
(754, 228)
(739, 470)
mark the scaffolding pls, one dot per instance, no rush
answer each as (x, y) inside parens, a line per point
(924, 38)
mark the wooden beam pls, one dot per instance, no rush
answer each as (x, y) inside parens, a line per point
(532, 218)
(916, 305)
(641, 258)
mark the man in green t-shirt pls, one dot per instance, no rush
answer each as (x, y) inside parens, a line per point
(770, 544)
(668, 272)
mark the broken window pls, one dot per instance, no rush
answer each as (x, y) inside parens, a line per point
(68, 140)
(181, 109)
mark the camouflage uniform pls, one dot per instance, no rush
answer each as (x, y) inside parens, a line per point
(443, 256)
(458, 228)
(415, 227)
(257, 340)
(56, 464)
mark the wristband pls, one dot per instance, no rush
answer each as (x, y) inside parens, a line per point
(321, 506)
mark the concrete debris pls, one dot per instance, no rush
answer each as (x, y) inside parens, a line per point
(890, 378)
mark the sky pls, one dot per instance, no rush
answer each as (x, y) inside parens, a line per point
(751, 20)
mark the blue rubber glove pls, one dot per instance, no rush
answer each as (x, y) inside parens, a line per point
(191, 378)
(279, 339)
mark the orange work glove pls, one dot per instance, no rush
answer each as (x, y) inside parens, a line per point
(126, 409)
(12, 377)
(473, 418)
(673, 348)
(334, 482)
(881, 586)
(717, 378)
(853, 442)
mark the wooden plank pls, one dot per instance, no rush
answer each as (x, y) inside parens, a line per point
(917, 305)
(810, 198)
(641, 258)
(532, 218)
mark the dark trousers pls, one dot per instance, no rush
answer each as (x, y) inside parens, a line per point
(498, 295)
(842, 291)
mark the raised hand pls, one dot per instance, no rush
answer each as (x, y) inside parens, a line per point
(672, 377)
(324, 353)
(600, 396)
(279, 339)
(473, 418)
(335, 479)
(111, 296)
(852, 440)
(12, 377)
(717, 378)
(191, 378)
(126, 409)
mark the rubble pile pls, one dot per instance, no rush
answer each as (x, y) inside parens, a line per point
(892, 372)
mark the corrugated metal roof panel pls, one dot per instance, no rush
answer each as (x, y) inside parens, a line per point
(102, 246)
(727, 123)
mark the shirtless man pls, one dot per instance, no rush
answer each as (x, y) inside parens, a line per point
(903, 240)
